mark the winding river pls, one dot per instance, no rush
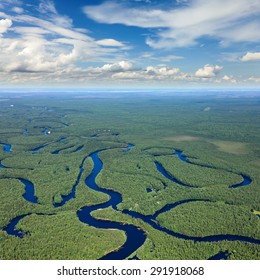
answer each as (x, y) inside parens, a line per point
(28, 190)
(246, 179)
(135, 236)
(28, 185)
(72, 194)
(11, 227)
(167, 175)
(35, 150)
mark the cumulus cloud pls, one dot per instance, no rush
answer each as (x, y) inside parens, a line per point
(151, 73)
(46, 47)
(117, 67)
(250, 56)
(184, 24)
(208, 71)
(162, 71)
(49, 42)
(5, 24)
(228, 78)
(122, 72)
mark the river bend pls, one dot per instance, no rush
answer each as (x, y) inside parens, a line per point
(135, 236)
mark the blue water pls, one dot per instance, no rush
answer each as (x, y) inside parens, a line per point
(167, 175)
(1, 165)
(29, 191)
(11, 227)
(58, 151)
(78, 149)
(135, 236)
(129, 147)
(7, 147)
(181, 156)
(72, 194)
(45, 132)
(246, 179)
(34, 151)
(61, 139)
(220, 256)
(151, 220)
(28, 188)
(25, 132)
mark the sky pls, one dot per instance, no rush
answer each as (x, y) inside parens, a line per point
(129, 43)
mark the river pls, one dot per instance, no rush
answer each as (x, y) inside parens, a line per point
(135, 236)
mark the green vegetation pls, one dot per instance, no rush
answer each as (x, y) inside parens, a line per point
(226, 138)
(211, 218)
(60, 236)
(197, 176)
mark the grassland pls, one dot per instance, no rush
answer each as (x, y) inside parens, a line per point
(223, 142)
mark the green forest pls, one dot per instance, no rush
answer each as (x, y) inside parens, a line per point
(212, 190)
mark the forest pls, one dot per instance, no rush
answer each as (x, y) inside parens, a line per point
(81, 175)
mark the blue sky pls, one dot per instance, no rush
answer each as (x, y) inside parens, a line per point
(134, 43)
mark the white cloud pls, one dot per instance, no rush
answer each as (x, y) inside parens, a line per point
(208, 71)
(12, 2)
(153, 56)
(250, 56)
(128, 76)
(28, 55)
(170, 57)
(117, 67)
(162, 71)
(181, 26)
(254, 79)
(48, 11)
(151, 73)
(48, 48)
(49, 43)
(230, 79)
(5, 24)
(18, 10)
(122, 72)
(111, 12)
(47, 6)
(109, 43)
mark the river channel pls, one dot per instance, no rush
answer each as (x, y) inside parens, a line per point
(135, 236)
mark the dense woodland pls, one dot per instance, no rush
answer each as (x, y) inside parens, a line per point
(52, 136)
